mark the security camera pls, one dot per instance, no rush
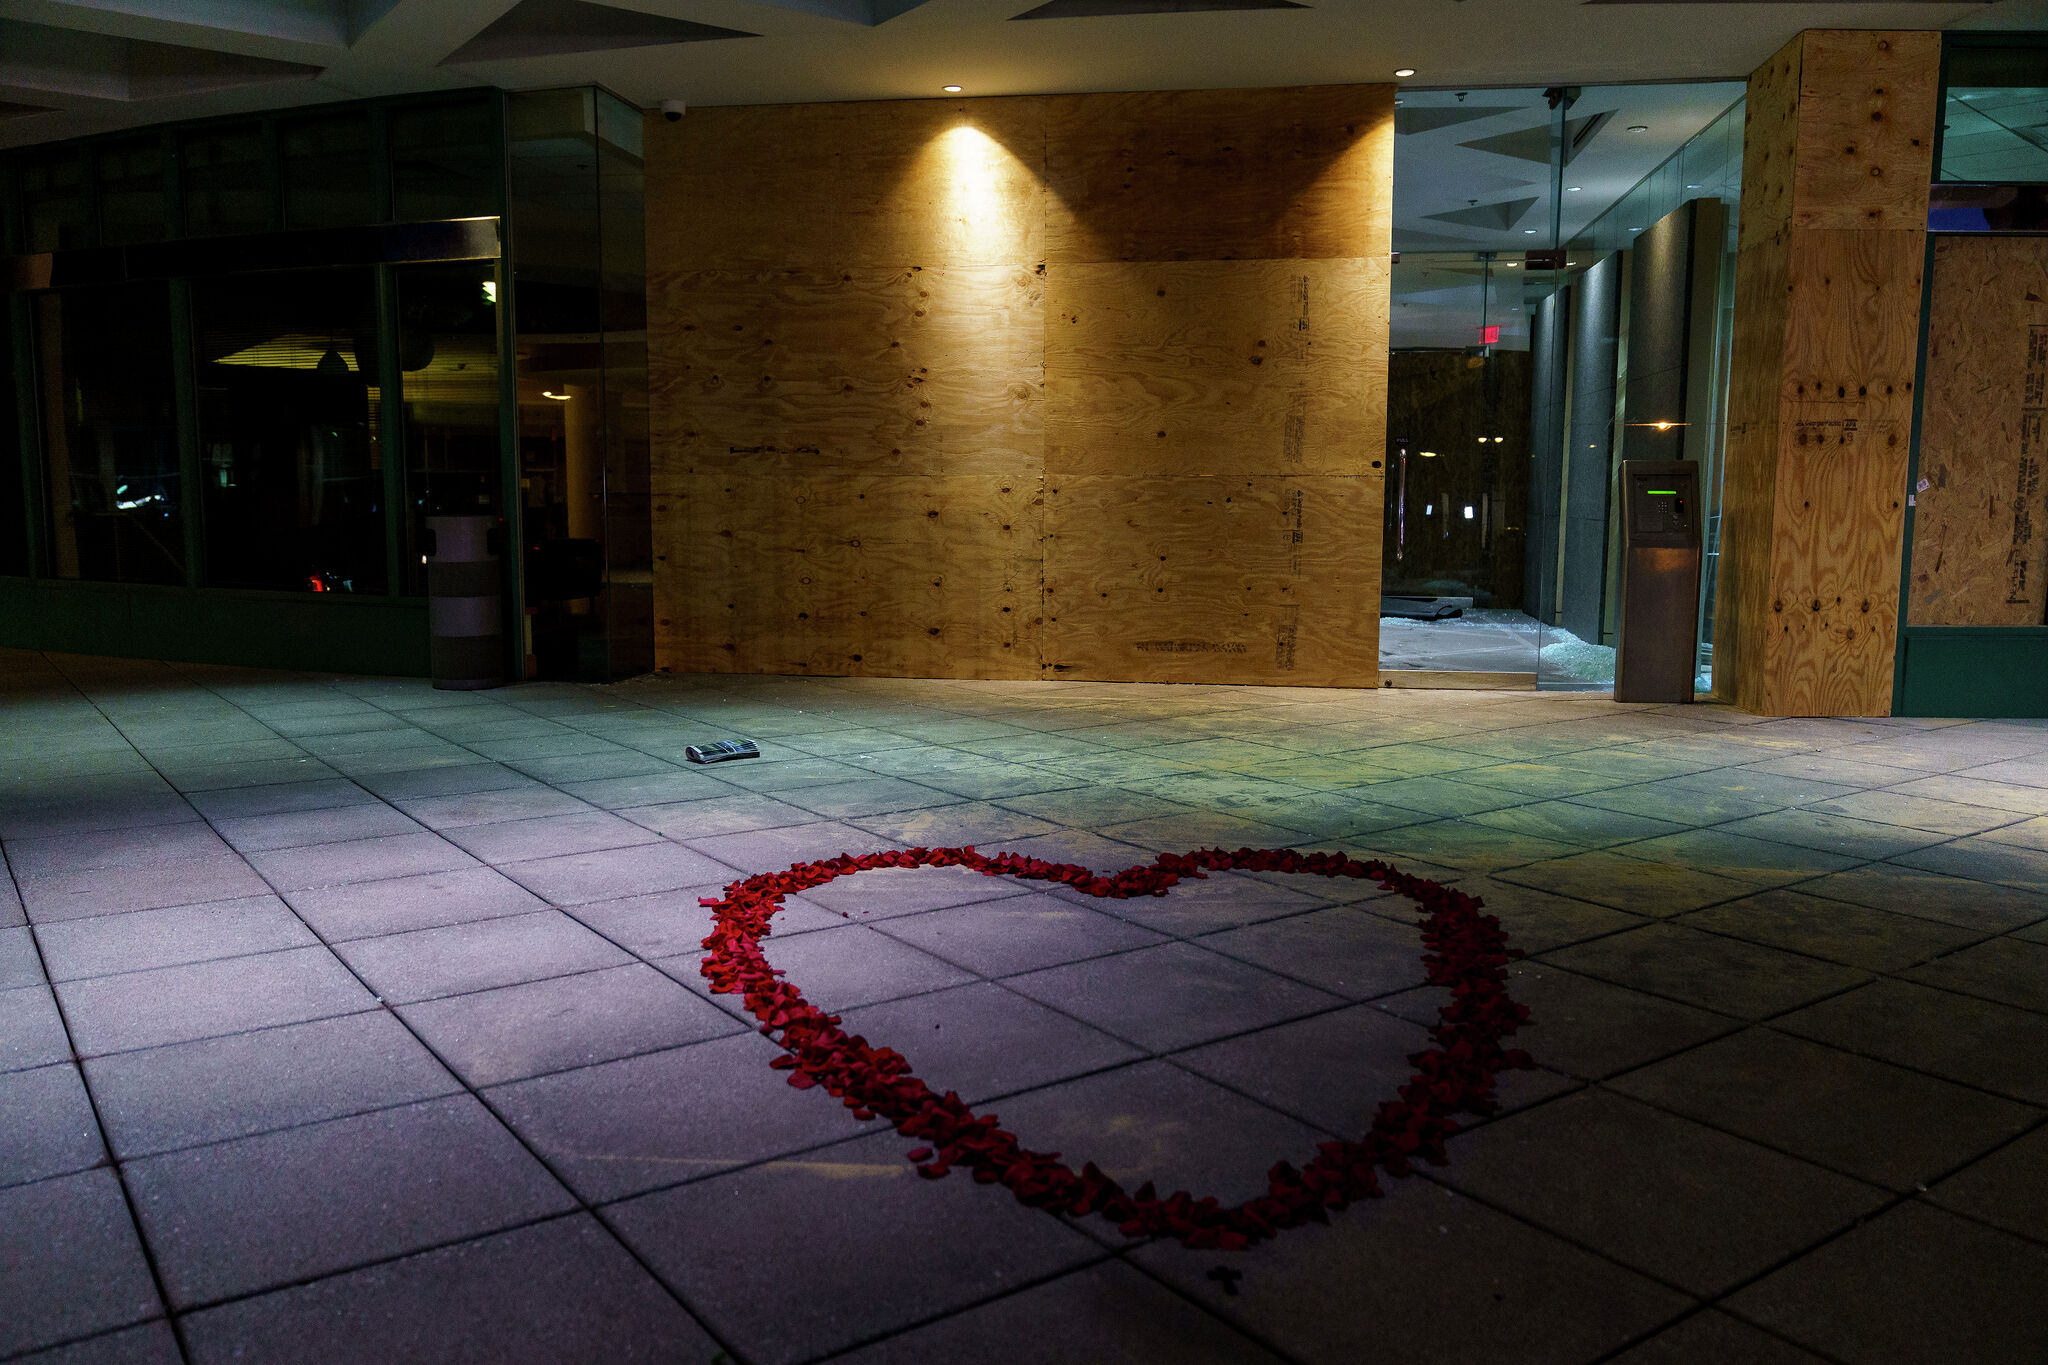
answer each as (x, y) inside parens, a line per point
(673, 110)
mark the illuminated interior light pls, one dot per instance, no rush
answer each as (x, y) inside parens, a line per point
(1639, 127)
(1429, 510)
(490, 291)
(558, 397)
(951, 89)
(1468, 512)
(1403, 72)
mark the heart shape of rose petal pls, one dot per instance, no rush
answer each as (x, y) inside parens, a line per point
(1466, 952)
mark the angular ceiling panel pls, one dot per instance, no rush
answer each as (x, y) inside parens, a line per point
(1533, 144)
(1498, 217)
(1407, 121)
(550, 28)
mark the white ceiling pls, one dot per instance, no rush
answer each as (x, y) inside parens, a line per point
(93, 65)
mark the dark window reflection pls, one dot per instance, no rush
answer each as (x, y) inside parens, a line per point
(110, 434)
(448, 362)
(444, 161)
(53, 202)
(227, 182)
(330, 179)
(13, 502)
(131, 188)
(289, 454)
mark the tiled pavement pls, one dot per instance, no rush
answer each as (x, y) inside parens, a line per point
(345, 1020)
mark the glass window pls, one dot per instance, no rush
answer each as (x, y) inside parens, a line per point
(54, 210)
(1995, 116)
(116, 507)
(131, 174)
(227, 182)
(448, 362)
(13, 502)
(290, 462)
(444, 161)
(329, 170)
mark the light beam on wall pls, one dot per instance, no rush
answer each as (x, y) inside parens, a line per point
(974, 172)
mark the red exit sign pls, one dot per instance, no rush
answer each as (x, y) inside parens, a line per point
(1489, 336)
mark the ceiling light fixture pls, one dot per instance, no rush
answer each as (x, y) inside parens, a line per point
(1639, 127)
(1571, 189)
(951, 89)
(1402, 73)
(558, 397)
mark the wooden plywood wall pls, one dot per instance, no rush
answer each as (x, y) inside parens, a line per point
(1837, 158)
(1980, 532)
(1086, 386)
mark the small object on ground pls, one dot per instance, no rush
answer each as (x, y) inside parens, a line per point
(1228, 1278)
(722, 750)
(1423, 608)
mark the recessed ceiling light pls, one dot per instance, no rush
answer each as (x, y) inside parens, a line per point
(1404, 72)
(1528, 232)
(950, 89)
(1639, 127)
(1572, 189)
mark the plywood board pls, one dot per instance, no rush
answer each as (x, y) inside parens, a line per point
(1262, 580)
(903, 370)
(1980, 531)
(849, 574)
(881, 183)
(1217, 367)
(1297, 174)
(1867, 110)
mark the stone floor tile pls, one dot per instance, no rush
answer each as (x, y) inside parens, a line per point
(31, 1030)
(732, 813)
(1092, 807)
(258, 1212)
(1727, 975)
(1684, 805)
(87, 1273)
(1581, 1026)
(279, 798)
(1916, 1284)
(1865, 1118)
(1016, 933)
(1761, 861)
(2009, 970)
(448, 779)
(46, 1125)
(359, 860)
(1425, 1274)
(786, 771)
(1918, 812)
(513, 1032)
(1468, 847)
(463, 809)
(1535, 921)
(988, 827)
(207, 999)
(1171, 996)
(1221, 900)
(20, 964)
(1342, 950)
(549, 836)
(836, 1222)
(41, 812)
(890, 891)
(142, 939)
(426, 963)
(579, 878)
(106, 891)
(151, 1343)
(1993, 1047)
(1540, 780)
(1155, 1122)
(1640, 886)
(646, 789)
(218, 1088)
(1577, 1166)
(1083, 848)
(1107, 1313)
(852, 965)
(1840, 835)
(296, 829)
(1567, 822)
(1931, 895)
(558, 1291)
(1981, 859)
(12, 915)
(1858, 936)
(983, 1040)
(592, 767)
(2008, 1188)
(1439, 796)
(866, 796)
(624, 1127)
(1977, 791)
(1714, 1338)
(256, 772)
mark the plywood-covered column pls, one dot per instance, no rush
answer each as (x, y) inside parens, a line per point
(1837, 158)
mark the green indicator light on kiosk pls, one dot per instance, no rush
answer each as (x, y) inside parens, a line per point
(1662, 492)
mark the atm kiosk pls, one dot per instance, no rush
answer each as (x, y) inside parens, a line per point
(1656, 653)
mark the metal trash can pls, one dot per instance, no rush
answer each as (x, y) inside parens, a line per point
(465, 602)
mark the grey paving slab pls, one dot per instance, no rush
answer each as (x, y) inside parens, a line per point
(1876, 940)
(1014, 934)
(399, 904)
(1569, 823)
(87, 1274)
(1985, 860)
(1342, 950)
(664, 785)
(983, 1040)
(258, 1212)
(59, 858)
(448, 779)
(106, 891)
(562, 1290)
(548, 836)
(46, 1125)
(152, 1343)
(1425, 1274)
(664, 1118)
(455, 958)
(2010, 970)
(1865, 1118)
(217, 1088)
(2007, 1188)
(1221, 900)
(907, 890)
(1574, 1166)
(1917, 812)
(206, 999)
(1994, 1047)
(1730, 976)
(489, 807)
(359, 860)
(1915, 1284)
(731, 813)
(295, 829)
(142, 939)
(514, 1032)
(853, 965)
(836, 1222)
(1932, 895)
(31, 1030)
(1639, 885)
(1711, 1337)
(19, 963)
(1144, 995)
(238, 803)
(579, 878)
